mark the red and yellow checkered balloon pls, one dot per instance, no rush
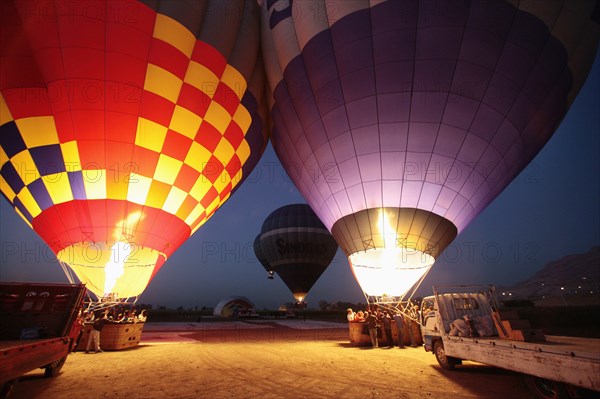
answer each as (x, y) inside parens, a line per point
(123, 128)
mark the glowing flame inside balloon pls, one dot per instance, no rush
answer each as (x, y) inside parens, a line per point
(115, 267)
(391, 270)
(119, 252)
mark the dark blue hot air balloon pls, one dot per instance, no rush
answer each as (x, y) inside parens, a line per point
(295, 244)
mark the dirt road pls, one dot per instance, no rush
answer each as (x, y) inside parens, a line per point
(264, 361)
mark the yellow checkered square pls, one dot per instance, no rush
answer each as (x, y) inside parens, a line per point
(94, 181)
(217, 116)
(167, 169)
(150, 135)
(200, 188)
(185, 122)
(195, 214)
(116, 188)
(25, 166)
(157, 194)
(38, 131)
(58, 187)
(213, 206)
(29, 202)
(139, 186)
(169, 30)
(162, 82)
(242, 117)
(174, 200)
(236, 82)
(186, 207)
(222, 181)
(70, 153)
(197, 156)
(243, 151)
(224, 151)
(201, 78)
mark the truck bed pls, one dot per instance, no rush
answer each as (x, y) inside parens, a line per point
(571, 360)
(18, 357)
(36, 321)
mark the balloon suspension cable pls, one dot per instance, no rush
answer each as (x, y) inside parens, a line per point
(94, 302)
(416, 286)
(107, 302)
(398, 304)
(68, 272)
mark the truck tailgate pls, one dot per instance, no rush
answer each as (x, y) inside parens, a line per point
(20, 357)
(571, 360)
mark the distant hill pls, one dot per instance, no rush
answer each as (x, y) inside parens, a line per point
(572, 280)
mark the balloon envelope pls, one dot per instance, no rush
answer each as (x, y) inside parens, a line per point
(124, 126)
(297, 246)
(400, 121)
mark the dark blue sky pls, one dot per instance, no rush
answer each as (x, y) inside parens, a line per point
(550, 210)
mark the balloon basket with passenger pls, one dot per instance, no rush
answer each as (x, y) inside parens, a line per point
(402, 282)
(411, 326)
(114, 336)
(123, 328)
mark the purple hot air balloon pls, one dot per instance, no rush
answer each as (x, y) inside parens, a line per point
(400, 121)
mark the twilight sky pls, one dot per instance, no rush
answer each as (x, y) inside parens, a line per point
(550, 210)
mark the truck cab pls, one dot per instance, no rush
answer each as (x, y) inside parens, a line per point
(464, 314)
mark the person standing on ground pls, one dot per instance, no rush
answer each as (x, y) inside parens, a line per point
(399, 319)
(413, 328)
(372, 326)
(387, 328)
(97, 327)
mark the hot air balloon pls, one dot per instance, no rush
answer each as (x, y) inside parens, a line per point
(400, 121)
(125, 125)
(295, 244)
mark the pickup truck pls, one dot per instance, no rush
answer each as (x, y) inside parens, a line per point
(39, 324)
(459, 324)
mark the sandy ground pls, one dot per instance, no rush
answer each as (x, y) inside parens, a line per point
(284, 359)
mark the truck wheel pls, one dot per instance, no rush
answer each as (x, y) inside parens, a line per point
(53, 368)
(546, 389)
(446, 362)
